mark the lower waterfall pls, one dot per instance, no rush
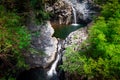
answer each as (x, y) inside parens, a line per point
(52, 70)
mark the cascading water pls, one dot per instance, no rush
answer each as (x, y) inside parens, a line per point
(74, 15)
(52, 70)
(81, 6)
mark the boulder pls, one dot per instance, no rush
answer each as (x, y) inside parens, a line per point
(76, 38)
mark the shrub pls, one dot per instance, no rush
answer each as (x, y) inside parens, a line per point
(13, 39)
(100, 59)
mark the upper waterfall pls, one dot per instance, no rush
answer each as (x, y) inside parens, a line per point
(81, 6)
(74, 16)
(74, 13)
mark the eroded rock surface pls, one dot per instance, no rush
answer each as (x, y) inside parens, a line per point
(62, 12)
(74, 40)
(76, 37)
(43, 46)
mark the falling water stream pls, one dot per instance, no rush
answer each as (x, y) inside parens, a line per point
(74, 16)
(52, 70)
(80, 6)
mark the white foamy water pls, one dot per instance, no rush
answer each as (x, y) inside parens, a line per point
(81, 7)
(74, 15)
(52, 70)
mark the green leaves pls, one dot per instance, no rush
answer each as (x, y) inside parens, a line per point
(99, 59)
(13, 39)
(111, 9)
(73, 61)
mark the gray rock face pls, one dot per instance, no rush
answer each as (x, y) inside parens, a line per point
(62, 11)
(74, 40)
(43, 46)
(76, 37)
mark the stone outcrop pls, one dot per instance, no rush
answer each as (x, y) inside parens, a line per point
(61, 11)
(43, 46)
(76, 38)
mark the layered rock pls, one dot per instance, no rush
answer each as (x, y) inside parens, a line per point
(62, 12)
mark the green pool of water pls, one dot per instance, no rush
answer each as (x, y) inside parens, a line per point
(62, 31)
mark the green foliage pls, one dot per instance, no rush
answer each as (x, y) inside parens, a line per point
(39, 10)
(98, 58)
(13, 39)
(25, 7)
(111, 9)
(76, 60)
(41, 15)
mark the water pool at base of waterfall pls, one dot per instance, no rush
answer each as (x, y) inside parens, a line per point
(62, 31)
(33, 74)
(39, 74)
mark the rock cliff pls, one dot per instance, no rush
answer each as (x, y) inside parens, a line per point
(43, 46)
(62, 12)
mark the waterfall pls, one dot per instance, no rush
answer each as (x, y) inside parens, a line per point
(52, 70)
(74, 15)
(80, 6)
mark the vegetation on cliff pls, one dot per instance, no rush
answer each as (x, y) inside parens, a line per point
(24, 8)
(14, 36)
(98, 57)
(13, 39)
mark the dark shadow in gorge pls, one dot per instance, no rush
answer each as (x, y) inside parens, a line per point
(33, 74)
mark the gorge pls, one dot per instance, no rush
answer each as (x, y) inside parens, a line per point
(50, 36)
(59, 40)
(54, 48)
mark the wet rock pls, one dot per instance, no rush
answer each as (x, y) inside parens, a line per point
(62, 12)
